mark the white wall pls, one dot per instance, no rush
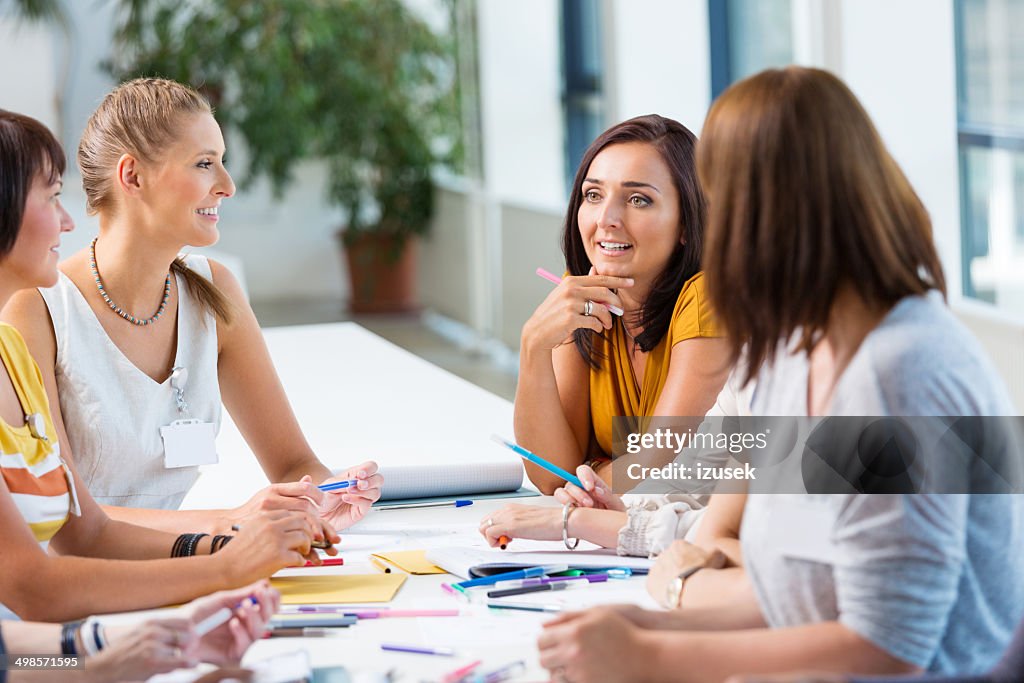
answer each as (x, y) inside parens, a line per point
(660, 62)
(900, 60)
(520, 101)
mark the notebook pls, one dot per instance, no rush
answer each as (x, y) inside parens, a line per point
(471, 563)
(464, 480)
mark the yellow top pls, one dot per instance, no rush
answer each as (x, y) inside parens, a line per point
(31, 466)
(613, 386)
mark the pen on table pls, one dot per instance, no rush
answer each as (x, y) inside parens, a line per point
(379, 564)
(523, 590)
(502, 673)
(458, 674)
(517, 583)
(294, 609)
(327, 562)
(527, 573)
(303, 632)
(524, 606)
(338, 485)
(437, 504)
(539, 461)
(417, 650)
(551, 277)
(396, 613)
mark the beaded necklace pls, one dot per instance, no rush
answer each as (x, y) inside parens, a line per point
(117, 309)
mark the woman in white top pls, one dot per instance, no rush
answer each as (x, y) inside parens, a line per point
(135, 338)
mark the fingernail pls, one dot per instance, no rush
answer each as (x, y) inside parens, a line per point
(362, 473)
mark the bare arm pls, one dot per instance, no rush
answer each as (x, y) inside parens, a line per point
(607, 645)
(827, 647)
(552, 407)
(245, 370)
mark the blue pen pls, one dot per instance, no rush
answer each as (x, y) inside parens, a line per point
(539, 461)
(338, 485)
(507, 576)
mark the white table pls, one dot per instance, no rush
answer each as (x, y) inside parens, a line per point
(357, 396)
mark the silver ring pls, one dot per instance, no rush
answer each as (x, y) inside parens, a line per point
(488, 523)
(588, 307)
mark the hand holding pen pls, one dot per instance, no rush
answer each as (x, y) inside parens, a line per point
(226, 623)
(348, 497)
(578, 302)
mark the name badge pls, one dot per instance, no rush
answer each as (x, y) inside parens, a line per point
(188, 443)
(801, 528)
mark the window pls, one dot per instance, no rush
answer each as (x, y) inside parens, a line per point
(582, 79)
(746, 37)
(990, 132)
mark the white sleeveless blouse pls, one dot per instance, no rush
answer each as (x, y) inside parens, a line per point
(113, 411)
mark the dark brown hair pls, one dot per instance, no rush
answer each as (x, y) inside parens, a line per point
(141, 117)
(28, 150)
(804, 199)
(676, 145)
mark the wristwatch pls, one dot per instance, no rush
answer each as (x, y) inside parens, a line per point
(674, 590)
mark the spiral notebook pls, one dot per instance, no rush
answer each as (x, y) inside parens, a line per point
(428, 483)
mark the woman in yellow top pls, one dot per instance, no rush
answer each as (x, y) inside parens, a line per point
(43, 504)
(632, 239)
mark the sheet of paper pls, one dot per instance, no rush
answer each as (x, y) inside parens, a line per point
(338, 588)
(411, 561)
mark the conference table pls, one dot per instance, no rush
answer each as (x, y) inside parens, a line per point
(359, 397)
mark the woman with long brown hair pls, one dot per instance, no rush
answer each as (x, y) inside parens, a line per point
(821, 264)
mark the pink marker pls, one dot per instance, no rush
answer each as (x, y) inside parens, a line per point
(461, 672)
(551, 277)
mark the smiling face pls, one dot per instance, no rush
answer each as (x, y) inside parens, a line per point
(32, 261)
(189, 182)
(629, 217)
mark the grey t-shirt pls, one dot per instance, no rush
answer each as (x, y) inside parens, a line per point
(933, 579)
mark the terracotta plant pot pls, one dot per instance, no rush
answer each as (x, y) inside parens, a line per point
(382, 273)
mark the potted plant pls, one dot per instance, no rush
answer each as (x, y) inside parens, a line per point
(364, 85)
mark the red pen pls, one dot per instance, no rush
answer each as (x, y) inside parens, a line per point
(327, 562)
(461, 672)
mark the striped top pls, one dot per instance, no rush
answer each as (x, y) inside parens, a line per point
(32, 468)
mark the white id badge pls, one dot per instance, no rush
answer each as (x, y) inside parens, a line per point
(188, 443)
(74, 508)
(802, 528)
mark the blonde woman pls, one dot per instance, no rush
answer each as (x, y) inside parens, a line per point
(101, 564)
(139, 346)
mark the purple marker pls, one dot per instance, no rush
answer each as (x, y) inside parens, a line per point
(416, 650)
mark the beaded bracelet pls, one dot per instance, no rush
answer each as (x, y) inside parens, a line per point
(68, 632)
(186, 544)
(219, 541)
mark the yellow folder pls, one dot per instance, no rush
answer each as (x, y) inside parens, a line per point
(338, 588)
(412, 561)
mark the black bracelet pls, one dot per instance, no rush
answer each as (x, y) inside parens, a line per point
(219, 541)
(186, 544)
(194, 544)
(97, 637)
(67, 638)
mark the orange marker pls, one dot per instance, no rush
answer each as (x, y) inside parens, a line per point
(503, 541)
